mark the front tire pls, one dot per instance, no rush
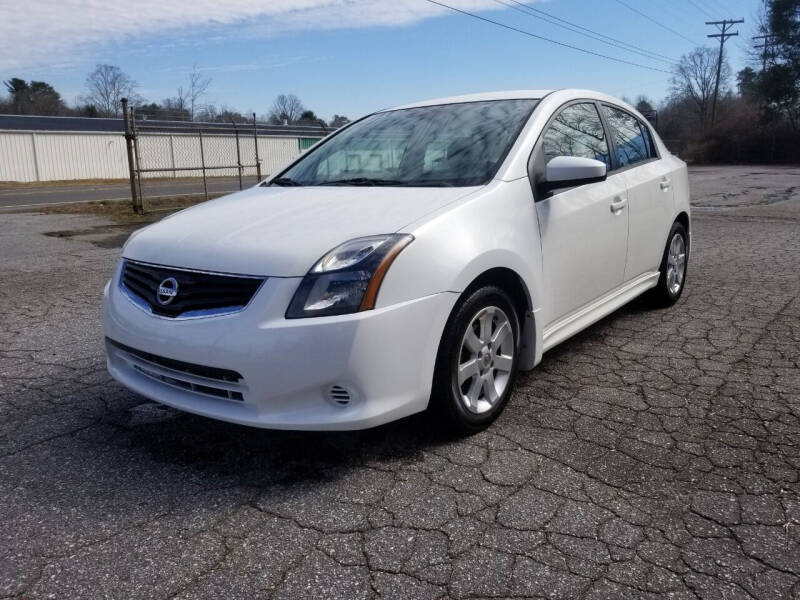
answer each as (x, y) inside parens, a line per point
(674, 264)
(478, 361)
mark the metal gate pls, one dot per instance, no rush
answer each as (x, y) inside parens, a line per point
(175, 163)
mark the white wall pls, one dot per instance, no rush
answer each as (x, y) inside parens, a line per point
(56, 155)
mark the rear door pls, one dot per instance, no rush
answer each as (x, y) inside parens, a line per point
(648, 180)
(584, 229)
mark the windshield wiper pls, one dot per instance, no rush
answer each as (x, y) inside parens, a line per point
(363, 181)
(284, 181)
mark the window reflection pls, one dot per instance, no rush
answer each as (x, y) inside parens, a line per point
(452, 144)
(577, 131)
(632, 147)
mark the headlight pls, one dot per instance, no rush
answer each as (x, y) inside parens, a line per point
(347, 278)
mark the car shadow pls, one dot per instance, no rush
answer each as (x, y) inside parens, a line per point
(261, 457)
(266, 457)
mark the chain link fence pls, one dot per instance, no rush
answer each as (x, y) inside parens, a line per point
(172, 163)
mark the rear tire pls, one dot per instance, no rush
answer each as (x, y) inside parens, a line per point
(477, 362)
(674, 266)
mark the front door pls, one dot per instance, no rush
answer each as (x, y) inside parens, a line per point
(584, 230)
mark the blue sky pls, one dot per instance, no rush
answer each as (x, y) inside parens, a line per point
(353, 56)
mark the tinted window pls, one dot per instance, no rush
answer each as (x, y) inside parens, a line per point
(651, 147)
(448, 145)
(632, 147)
(577, 131)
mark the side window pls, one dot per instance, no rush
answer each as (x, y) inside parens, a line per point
(577, 131)
(632, 146)
(648, 138)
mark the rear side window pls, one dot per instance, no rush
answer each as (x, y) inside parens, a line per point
(577, 131)
(631, 144)
(648, 138)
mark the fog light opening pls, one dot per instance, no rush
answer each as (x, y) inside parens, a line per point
(340, 396)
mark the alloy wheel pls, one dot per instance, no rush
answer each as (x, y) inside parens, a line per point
(676, 263)
(485, 360)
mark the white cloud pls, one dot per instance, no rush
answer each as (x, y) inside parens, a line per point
(273, 62)
(45, 32)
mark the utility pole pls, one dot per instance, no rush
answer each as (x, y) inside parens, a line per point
(723, 35)
(765, 47)
(130, 138)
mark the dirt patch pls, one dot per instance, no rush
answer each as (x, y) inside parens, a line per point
(123, 221)
(119, 212)
(102, 236)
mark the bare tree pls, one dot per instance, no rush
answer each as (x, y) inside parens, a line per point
(198, 86)
(174, 108)
(207, 113)
(106, 86)
(287, 108)
(694, 79)
(178, 104)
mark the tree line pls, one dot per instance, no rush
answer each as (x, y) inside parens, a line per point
(106, 85)
(758, 121)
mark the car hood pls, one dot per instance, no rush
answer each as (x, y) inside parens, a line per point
(280, 231)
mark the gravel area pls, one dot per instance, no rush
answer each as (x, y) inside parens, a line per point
(654, 455)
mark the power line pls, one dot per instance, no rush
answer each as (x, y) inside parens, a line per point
(701, 9)
(718, 6)
(659, 23)
(546, 39)
(670, 11)
(638, 86)
(632, 46)
(575, 28)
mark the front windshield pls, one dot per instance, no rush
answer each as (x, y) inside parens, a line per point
(447, 145)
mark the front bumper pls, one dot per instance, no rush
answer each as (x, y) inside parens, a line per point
(292, 371)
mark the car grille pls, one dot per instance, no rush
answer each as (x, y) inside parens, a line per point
(200, 379)
(185, 293)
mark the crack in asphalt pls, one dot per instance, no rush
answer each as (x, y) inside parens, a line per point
(656, 454)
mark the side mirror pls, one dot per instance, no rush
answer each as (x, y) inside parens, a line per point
(569, 171)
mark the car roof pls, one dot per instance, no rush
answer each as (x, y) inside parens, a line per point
(563, 94)
(506, 95)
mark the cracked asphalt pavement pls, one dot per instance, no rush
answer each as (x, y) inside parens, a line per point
(654, 455)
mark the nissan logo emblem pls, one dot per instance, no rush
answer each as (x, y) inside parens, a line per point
(167, 290)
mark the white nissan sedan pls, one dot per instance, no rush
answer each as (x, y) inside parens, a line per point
(419, 257)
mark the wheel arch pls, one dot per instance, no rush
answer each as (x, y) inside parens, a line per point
(683, 219)
(511, 282)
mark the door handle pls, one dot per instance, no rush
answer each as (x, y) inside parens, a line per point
(665, 183)
(618, 204)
